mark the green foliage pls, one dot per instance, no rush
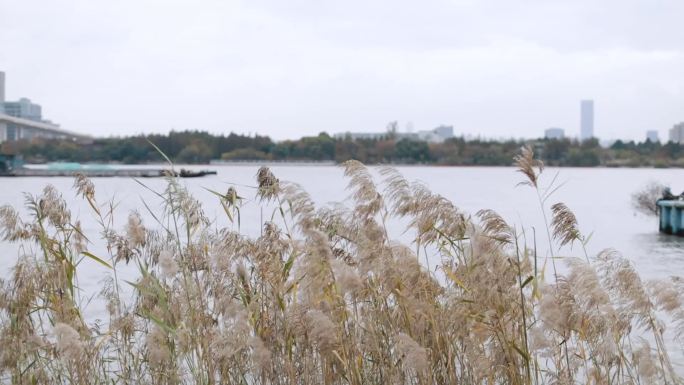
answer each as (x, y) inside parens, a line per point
(181, 147)
(412, 151)
(245, 154)
(201, 147)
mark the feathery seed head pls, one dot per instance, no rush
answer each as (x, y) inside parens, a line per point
(495, 226)
(84, 186)
(135, 232)
(261, 356)
(412, 355)
(301, 205)
(564, 224)
(167, 263)
(52, 205)
(526, 164)
(346, 276)
(620, 278)
(268, 184)
(11, 227)
(368, 200)
(322, 330)
(158, 352)
(69, 344)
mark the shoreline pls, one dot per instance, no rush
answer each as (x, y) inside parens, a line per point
(287, 163)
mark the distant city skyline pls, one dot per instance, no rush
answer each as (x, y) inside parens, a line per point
(24, 108)
(490, 68)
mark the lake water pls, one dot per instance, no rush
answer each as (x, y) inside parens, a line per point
(599, 197)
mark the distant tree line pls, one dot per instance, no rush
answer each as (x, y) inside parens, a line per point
(198, 147)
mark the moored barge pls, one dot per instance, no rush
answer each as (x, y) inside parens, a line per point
(12, 167)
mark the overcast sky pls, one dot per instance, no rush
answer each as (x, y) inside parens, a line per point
(286, 68)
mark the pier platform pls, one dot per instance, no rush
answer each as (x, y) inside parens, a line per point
(672, 216)
(105, 173)
(10, 166)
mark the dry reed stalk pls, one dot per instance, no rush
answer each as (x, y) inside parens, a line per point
(324, 295)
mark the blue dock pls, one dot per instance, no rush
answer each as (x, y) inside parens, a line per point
(672, 216)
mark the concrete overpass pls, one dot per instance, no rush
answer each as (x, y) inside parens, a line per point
(13, 129)
(23, 120)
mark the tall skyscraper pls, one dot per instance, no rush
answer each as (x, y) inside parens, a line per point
(586, 119)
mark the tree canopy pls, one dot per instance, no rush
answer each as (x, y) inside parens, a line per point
(198, 147)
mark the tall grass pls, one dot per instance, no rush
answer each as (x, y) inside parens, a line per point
(326, 295)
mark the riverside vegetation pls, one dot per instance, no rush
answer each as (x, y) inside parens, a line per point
(326, 296)
(201, 147)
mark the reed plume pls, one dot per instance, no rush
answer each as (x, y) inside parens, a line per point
(564, 224)
(526, 164)
(323, 295)
(268, 184)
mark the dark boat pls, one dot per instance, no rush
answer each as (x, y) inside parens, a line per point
(194, 174)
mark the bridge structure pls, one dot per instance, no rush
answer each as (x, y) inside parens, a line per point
(22, 120)
(13, 129)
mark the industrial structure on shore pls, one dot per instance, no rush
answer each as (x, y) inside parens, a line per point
(436, 135)
(23, 119)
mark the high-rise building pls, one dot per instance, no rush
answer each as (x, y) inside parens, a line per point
(24, 109)
(2, 92)
(586, 119)
(554, 133)
(444, 132)
(677, 133)
(652, 136)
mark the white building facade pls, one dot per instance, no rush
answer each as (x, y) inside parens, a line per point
(554, 133)
(677, 133)
(436, 135)
(652, 136)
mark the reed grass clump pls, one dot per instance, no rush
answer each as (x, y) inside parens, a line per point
(325, 295)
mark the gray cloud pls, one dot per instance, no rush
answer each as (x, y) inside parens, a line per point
(490, 67)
